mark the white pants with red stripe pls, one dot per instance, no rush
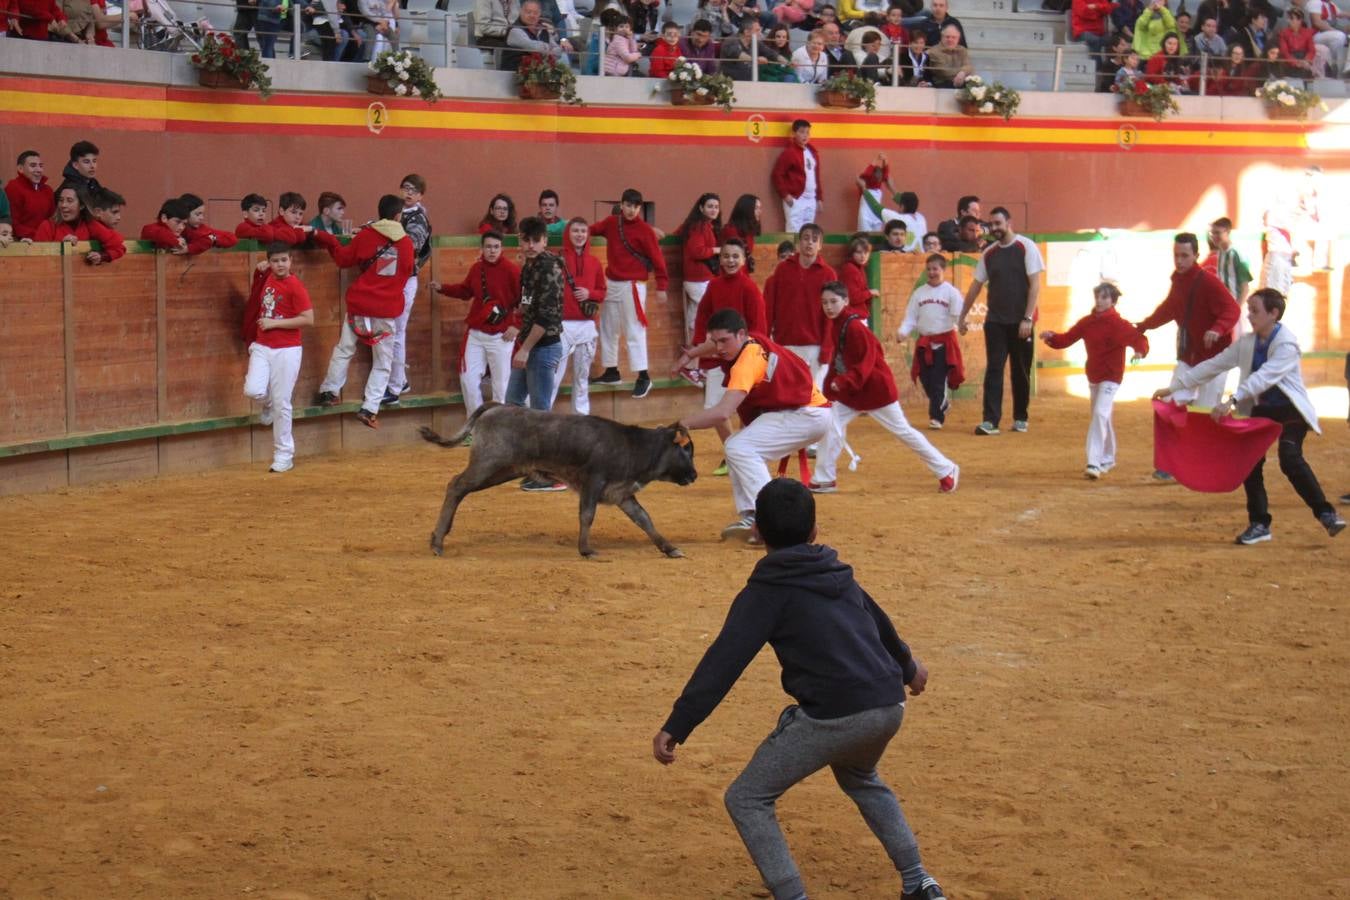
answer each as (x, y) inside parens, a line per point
(618, 314)
(766, 440)
(381, 359)
(398, 371)
(693, 295)
(272, 372)
(578, 343)
(890, 417)
(482, 352)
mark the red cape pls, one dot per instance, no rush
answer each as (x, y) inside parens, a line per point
(1204, 455)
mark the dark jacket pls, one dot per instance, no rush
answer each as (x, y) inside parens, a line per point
(541, 297)
(85, 187)
(417, 225)
(838, 649)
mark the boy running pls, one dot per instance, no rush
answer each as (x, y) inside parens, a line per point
(845, 667)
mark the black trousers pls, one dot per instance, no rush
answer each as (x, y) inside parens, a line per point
(1292, 464)
(245, 20)
(1002, 345)
(934, 380)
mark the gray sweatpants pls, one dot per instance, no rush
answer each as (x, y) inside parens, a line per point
(800, 746)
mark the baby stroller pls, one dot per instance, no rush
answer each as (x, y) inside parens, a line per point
(161, 29)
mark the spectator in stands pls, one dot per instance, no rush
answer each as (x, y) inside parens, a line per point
(644, 13)
(332, 210)
(1237, 77)
(914, 61)
(379, 26)
(31, 200)
(200, 236)
(1152, 25)
(166, 232)
(809, 60)
(1299, 50)
(949, 230)
(894, 26)
(82, 169)
(1184, 31)
(950, 62)
(698, 47)
(714, 12)
(1321, 16)
(1208, 42)
(245, 20)
(873, 67)
(1168, 65)
(254, 227)
(744, 225)
(666, 52)
(73, 224)
(35, 20)
(530, 33)
(840, 60)
(492, 19)
(970, 239)
(621, 53)
(1088, 22)
(500, 216)
(266, 25)
(1123, 17)
(548, 212)
(1254, 37)
(793, 12)
(316, 17)
(776, 62)
(289, 226)
(932, 243)
(937, 22)
(1127, 73)
(740, 10)
(796, 178)
(1110, 62)
(824, 15)
(1231, 14)
(735, 52)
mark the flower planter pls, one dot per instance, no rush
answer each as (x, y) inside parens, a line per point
(1280, 111)
(533, 90)
(1134, 110)
(375, 84)
(218, 79)
(971, 108)
(838, 100)
(680, 97)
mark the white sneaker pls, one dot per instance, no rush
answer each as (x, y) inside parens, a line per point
(277, 467)
(934, 424)
(265, 415)
(741, 529)
(1092, 473)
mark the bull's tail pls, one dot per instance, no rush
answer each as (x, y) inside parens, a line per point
(457, 439)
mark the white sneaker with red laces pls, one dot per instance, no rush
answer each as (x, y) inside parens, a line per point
(823, 487)
(947, 485)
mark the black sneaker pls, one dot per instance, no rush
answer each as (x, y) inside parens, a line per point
(930, 890)
(1256, 533)
(541, 485)
(1333, 523)
(642, 387)
(609, 376)
(389, 399)
(1343, 499)
(406, 388)
(326, 398)
(367, 418)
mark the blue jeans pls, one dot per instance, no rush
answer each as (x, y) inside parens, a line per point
(536, 379)
(267, 39)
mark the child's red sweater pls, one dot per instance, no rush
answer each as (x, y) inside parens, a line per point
(623, 265)
(1106, 335)
(866, 382)
(200, 238)
(160, 235)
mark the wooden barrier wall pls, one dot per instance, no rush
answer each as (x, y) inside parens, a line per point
(136, 369)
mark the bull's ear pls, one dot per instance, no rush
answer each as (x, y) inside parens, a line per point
(681, 436)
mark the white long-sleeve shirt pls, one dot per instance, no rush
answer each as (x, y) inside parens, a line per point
(932, 310)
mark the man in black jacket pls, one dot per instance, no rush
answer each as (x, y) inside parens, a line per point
(842, 662)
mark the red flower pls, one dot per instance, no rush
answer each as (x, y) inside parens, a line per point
(1140, 87)
(196, 59)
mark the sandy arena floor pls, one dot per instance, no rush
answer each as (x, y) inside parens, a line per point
(240, 685)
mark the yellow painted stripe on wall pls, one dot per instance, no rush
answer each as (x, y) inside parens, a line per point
(733, 126)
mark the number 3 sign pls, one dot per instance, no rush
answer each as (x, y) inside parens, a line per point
(754, 128)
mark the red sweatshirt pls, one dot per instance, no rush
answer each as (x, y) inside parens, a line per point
(580, 270)
(623, 265)
(36, 17)
(263, 234)
(866, 382)
(738, 292)
(274, 298)
(1092, 16)
(286, 233)
(1106, 336)
(160, 235)
(700, 242)
(1212, 309)
(385, 266)
(200, 239)
(789, 172)
(859, 294)
(792, 302)
(503, 292)
(664, 57)
(29, 205)
(876, 178)
(84, 230)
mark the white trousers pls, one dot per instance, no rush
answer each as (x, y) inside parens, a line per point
(1334, 42)
(617, 314)
(890, 417)
(271, 379)
(768, 439)
(578, 342)
(484, 351)
(801, 212)
(1101, 436)
(868, 220)
(1277, 271)
(381, 359)
(1207, 394)
(693, 294)
(714, 387)
(398, 370)
(810, 354)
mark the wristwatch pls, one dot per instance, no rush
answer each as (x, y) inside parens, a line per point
(1026, 318)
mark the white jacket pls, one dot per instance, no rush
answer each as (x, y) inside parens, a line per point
(1282, 369)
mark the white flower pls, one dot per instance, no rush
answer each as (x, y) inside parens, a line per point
(698, 73)
(673, 76)
(402, 76)
(986, 107)
(373, 65)
(680, 60)
(701, 91)
(400, 89)
(977, 92)
(416, 91)
(1286, 99)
